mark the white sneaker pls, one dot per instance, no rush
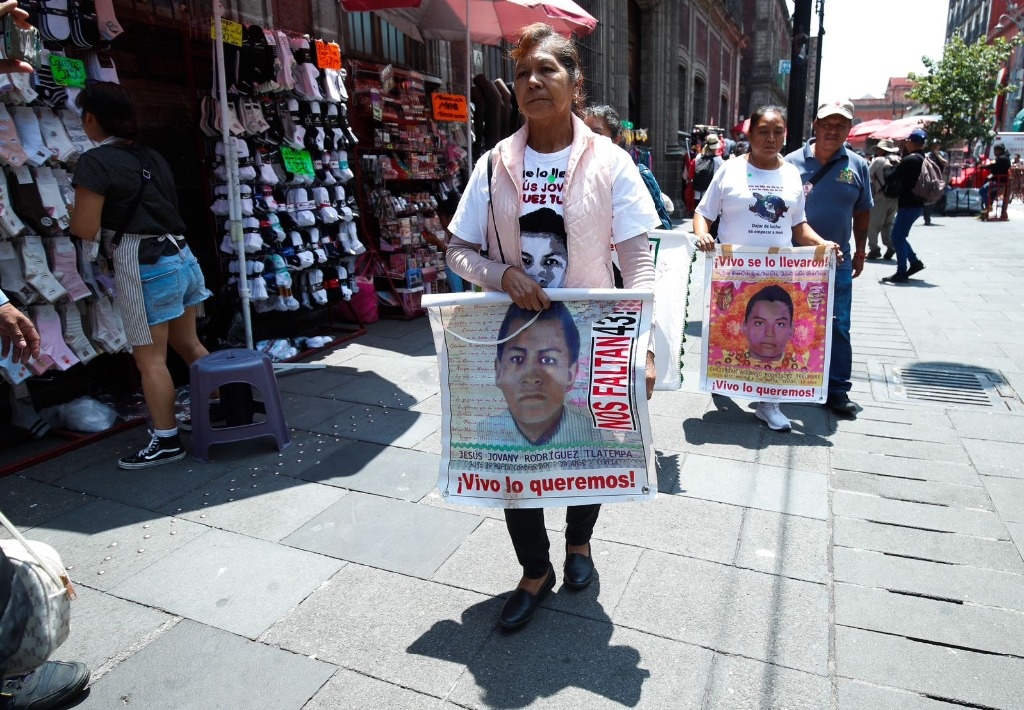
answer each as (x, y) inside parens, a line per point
(770, 414)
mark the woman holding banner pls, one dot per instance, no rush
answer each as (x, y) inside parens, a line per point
(553, 163)
(759, 200)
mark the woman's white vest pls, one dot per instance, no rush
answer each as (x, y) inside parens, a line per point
(587, 205)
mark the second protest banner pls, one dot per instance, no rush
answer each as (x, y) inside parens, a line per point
(767, 317)
(544, 408)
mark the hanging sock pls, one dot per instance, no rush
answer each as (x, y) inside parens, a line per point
(31, 137)
(106, 21)
(76, 132)
(11, 276)
(50, 92)
(101, 68)
(13, 372)
(105, 328)
(54, 20)
(52, 338)
(53, 201)
(85, 31)
(10, 224)
(29, 204)
(21, 91)
(285, 67)
(25, 417)
(64, 257)
(11, 151)
(74, 335)
(55, 137)
(37, 272)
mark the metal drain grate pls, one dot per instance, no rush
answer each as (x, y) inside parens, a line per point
(947, 386)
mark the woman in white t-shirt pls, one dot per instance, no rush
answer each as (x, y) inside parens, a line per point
(760, 199)
(543, 210)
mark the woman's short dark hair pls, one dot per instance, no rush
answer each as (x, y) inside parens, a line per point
(762, 111)
(112, 107)
(610, 117)
(541, 34)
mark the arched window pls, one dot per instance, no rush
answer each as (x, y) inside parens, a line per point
(700, 98)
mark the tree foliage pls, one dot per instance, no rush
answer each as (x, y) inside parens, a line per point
(961, 87)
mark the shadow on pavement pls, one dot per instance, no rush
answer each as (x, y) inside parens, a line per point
(553, 652)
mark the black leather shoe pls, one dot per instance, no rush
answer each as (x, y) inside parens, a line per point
(520, 605)
(889, 253)
(874, 254)
(51, 685)
(579, 570)
(841, 404)
(895, 279)
(915, 266)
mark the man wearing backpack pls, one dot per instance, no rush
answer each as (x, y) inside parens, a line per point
(705, 167)
(884, 212)
(838, 189)
(911, 206)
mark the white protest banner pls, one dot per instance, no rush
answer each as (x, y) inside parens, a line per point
(767, 323)
(673, 258)
(544, 409)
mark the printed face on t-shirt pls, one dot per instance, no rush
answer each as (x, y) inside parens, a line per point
(545, 258)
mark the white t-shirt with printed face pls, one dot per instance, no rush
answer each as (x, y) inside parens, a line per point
(758, 207)
(541, 212)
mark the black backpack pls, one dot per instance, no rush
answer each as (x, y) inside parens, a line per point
(703, 173)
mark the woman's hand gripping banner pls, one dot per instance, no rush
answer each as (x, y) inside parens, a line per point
(767, 323)
(544, 408)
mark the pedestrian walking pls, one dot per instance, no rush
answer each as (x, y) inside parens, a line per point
(883, 213)
(910, 207)
(729, 197)
(838, 205)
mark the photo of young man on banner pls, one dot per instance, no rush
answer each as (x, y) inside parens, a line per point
(766, 323)
(544, 408)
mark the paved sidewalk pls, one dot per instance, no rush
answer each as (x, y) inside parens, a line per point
(853, 564)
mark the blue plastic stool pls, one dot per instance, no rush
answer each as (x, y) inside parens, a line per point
(235, 372)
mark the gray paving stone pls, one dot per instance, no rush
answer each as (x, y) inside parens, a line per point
(393, 427)
(1017, 534)
(990, 426)
(755, 486)
(998, 631)
(1008, 496)
(668, 467)
(899, 414)
(921, 469)
(306, 411)
(761, 616)
(859, 696)
(901, 430)
(27, 502)
(968, 584)
(384, 393)
(699, 437)
(567, 662)
(386, 533)
(355, 691)
(56, 468)
(146, 488)
(486, 563)
(322, 381)
(951, 674)
(436, 500)
(259, 504)
(195, 666)
(397, 370)
(674, 524)
(419, 634)
(792, 451)
(912, 490)
(430, 405)
(742, 683)
(927, 545)
(430, 444)
(87, 536)
(94, 640)
(679, 404)
(262, 455)
(230, 581)
(900, 447)
(372, 468)
(980, 523)
(784, 544)
(996, 458)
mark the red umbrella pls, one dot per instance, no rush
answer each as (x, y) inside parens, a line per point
(742, 127)
(487, 21)
(866, 128)
(901, 127)
(368, 5)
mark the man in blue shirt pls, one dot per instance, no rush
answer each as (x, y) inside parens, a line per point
(838, 205)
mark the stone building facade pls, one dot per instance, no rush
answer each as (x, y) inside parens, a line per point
(768, 28)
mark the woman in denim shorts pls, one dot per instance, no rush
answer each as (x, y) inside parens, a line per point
(125, 194)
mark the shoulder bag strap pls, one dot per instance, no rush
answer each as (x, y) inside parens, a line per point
(822, 172)
(490, 204)
(137, 200)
